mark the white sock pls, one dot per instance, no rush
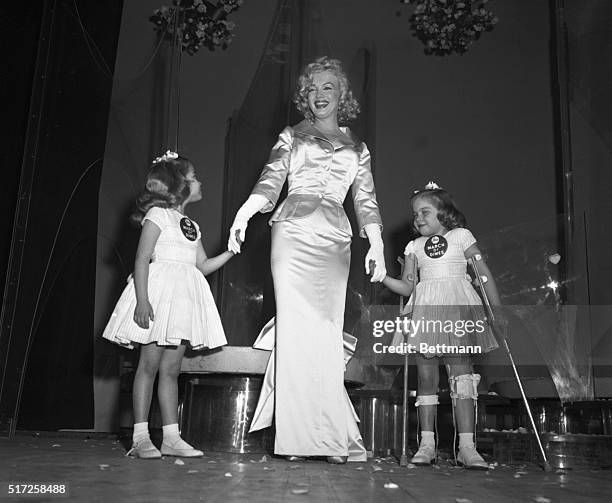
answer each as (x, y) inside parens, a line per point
(141, 431)
(466, 440)
(171, 434)
(427, 438)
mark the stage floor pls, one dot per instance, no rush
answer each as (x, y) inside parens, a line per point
(96, 469)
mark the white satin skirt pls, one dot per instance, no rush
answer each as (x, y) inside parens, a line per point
(312, 412)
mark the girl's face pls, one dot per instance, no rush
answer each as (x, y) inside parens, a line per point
(195, 187)
(324, 95)
(425, 216)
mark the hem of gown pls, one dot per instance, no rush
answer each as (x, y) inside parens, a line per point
(129, 344)
(360, 458)
(311, 453)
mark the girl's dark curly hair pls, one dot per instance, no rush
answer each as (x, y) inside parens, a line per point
(448, 214)
(166, 186)
(348, 106)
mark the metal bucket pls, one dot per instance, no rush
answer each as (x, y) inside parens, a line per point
(563, 451)
(217, 411)
(593, 417)
(548, 415)
(373, 409)
(380, 416)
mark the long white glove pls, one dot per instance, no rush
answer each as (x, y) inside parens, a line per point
(375, 253)
(252, 205)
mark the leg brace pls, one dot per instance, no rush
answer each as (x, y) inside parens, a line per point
(463, 387)
(427, 400)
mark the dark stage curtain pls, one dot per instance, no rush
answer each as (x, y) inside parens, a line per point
(22, 26)
(47, 333)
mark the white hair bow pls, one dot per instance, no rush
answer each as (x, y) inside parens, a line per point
(432, 186)
(167, 156)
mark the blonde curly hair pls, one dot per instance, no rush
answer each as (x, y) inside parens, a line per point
(348, 106)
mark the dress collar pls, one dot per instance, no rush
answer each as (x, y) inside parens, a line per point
(349, 140)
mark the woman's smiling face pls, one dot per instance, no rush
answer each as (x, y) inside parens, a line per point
(324, 95)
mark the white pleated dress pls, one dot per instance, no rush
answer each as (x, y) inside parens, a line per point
(448, 310)
(183, 305)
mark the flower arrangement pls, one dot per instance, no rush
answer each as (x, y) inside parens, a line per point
(201, 23)
(447, 26)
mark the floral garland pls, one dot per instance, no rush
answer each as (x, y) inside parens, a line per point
(203, 23)
(447, 26)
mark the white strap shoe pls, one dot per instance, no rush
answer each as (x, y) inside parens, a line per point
(144, 449)
(469, 457)
(180, 449)
(425, 456)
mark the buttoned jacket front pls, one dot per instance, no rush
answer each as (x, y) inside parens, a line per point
(319, 173)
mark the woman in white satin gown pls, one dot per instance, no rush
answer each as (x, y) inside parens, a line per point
(311, 238)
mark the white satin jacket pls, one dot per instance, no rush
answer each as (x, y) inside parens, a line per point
(319, 173)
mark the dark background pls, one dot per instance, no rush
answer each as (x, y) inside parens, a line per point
(57, 95)
(485, 125)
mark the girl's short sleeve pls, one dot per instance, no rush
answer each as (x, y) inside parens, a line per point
(466, 238)
(198, 230)
(409, 248)
(157, 215)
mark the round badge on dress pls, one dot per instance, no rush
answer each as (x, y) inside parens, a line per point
(188, 229)
(436, 246)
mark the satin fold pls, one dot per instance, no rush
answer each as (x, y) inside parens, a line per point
(303, 390)
(264, 412)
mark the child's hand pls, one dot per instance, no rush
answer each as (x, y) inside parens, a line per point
(236, 236)
(143, 313)
(375, 264)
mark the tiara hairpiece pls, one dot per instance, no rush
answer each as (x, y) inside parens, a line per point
(429, 186)
(167, 156)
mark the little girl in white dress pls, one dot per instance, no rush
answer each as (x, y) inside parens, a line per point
(167, 303)
(448, 319)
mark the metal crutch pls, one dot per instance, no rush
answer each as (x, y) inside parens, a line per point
(405, 425)
(491, 316)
